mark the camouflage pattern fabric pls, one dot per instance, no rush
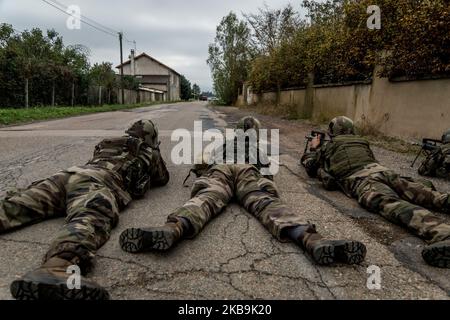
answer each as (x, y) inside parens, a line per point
(90, 197)
(437, 164)
(403, 201)
(247, 123)
(341, 125)
(223, 183)
(340, 157)
(91, 210)
(218, 184)
(399, 199)
(145, 130)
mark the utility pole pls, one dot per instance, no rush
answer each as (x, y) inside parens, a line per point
(73, 93)
(121, 68)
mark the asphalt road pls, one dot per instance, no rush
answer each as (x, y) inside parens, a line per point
(234, 257)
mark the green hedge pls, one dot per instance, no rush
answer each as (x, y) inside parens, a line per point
(336, 45)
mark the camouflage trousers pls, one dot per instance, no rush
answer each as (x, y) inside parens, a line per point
(221, 183)
(401, 200)
(90, 198)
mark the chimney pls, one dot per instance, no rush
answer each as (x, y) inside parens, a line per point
(133, 63)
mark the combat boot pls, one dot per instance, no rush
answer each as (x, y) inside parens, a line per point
(136, 240)
(161, 174)
(51, 282)
(437, 254)
(326, 252)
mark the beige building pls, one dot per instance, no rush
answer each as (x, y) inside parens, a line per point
(153, 75)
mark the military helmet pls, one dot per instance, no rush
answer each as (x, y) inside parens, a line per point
(446, 137)
(145, 130)
(247, 123)
(341, 125)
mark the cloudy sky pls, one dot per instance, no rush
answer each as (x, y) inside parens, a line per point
(176, 32)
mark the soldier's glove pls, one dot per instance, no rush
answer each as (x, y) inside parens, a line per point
(328, 181)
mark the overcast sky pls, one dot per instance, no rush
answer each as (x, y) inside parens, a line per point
(176, 32)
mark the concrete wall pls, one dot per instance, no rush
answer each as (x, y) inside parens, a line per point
(240, 101)
(329, 102)
(295, 97)
(410, 109)
(416, 109)
(174, 86)
(132, 96)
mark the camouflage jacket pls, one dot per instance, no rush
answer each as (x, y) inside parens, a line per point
(437, 164)
(128, 157)
(338, 159)
(254, 156)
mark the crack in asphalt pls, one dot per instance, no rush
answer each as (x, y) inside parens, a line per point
(314, 284)
(154, 277)
(13, 169)
(24, 241)
(358, 218)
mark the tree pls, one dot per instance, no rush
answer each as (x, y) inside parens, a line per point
(54, 65)
(11, 79)
(37, 69)
(103, 76)
(196, 91)
(76, 59)
(185, 88)
(32, 48)
(271, 27)
(229, 57)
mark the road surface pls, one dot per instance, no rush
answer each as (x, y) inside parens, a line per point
(234, 257)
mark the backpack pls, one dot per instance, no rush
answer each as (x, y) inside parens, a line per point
(122, 156)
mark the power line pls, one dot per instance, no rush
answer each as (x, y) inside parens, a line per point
(87, 18)
(98, 26)
(64, 10)
(89, 24)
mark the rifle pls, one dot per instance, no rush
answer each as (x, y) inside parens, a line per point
(314, 134)
(428, 147)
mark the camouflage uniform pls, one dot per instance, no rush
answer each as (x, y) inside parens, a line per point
(347, 162)
(212, 192)
(218, 184)
(221, 183)
(90, 196)
(437, 164)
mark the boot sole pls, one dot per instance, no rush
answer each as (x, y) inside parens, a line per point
(139, 240)
(348, 252)
(437, 257)
(32, 290)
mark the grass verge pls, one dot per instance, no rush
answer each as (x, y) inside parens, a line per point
(17, 116)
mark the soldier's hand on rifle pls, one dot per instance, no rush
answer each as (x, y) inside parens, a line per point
(315, 142)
